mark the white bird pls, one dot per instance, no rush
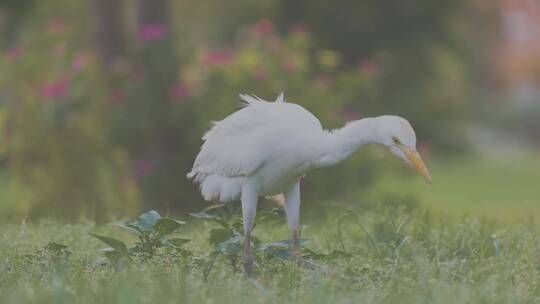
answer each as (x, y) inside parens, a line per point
(265, 148)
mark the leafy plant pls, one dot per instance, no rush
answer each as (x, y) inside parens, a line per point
(153, 231)
(228, 239)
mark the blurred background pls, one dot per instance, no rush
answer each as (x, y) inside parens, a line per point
(103, 103)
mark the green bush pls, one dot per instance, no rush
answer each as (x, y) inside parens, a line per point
(82, 138)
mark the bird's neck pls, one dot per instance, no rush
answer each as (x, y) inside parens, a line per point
(341, 143)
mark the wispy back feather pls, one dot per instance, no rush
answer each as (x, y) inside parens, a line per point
(281, 97)
(250, 100)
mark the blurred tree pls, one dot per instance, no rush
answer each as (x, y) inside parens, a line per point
(132, 125)
(151, 136)
(415, 46)
(110, 30)
(160, 67)
(12, 15)
(153, 11)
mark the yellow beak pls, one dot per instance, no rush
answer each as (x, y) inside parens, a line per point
(417, 162)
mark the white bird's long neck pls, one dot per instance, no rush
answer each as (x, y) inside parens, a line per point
(342, 143)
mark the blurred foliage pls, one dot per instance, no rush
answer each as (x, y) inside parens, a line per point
(86, 138)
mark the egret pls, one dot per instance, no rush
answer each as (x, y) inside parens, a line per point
(265, 148)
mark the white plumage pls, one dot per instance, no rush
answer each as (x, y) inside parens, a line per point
(253, 142)
(266, 147)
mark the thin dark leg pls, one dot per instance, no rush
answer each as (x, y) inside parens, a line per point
(295, 240)
(249, 210)
(248, 255)
(296, 247)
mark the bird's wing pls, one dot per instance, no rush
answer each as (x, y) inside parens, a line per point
(235, 145)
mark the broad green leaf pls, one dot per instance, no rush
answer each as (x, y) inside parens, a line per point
(220, 235)
(110, 253)
(133, 229)
(177, 242)
(232, 246)
(146, 221)
(166, 226)
(117, 245)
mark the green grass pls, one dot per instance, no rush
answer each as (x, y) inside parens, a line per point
(430, 259)
(425, 253)
(508, 190)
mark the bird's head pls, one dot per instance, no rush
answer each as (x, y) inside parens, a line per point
(397, 134)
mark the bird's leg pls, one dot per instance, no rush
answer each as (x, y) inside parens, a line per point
(296, 247)
(248, 254)
(249, 210)
(292, 210)
(297, 252)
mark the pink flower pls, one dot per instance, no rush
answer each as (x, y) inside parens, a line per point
(14, 53)
(57, 26)
(144, 167)
(180, 92)
(150, 32)
(55, 90)
(117, 97)
(264, 27)
(216, 58)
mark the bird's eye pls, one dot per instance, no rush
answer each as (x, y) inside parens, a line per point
(396, 140)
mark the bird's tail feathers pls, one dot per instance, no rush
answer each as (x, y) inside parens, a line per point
(191, 174)
(222, 189)
(217, 188)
